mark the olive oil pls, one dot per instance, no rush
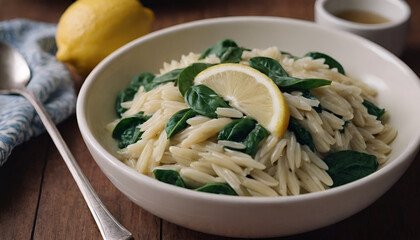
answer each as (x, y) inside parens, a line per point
(360, 16)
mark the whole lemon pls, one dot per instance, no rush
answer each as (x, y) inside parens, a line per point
(89, 30)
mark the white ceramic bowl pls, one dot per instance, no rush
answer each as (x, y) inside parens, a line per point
(399, 92)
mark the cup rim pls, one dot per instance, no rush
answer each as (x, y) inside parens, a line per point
(321, 10)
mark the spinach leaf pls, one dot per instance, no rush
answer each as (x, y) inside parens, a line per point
(268, 66)
(204, 101)
(169, 176)
(246, 131)
(178, 121)
(145, 80)
(218, 188)
(348, 166)
(281, 78)
(171, 76)
(373, 109)
(254, 138)
(149, 81)
(290, 55)
(127, 131)
(309, 95)
(292, 83)
(187, 75)
(237, 130)
(303, 136)
(218, 47)
(331, 62)
(226, 50)
(231, 55)
(172, 177)
(127, 94)
(130, 136)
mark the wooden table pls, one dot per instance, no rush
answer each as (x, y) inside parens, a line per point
(39, 199)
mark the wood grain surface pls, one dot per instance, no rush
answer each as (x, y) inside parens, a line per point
(40, 200)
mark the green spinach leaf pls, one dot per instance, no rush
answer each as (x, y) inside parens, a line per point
(292, 83)
(129, 136)
(331, 62)
(246, 131)
(173, 177)
(145, 79)
(217, 188)
(178, 121)
(169, 176)
(281, 78)
(171, 76)
(218, 47)
(309, 95)
(254, 138)
(373, 109)
(303, 136)
(226, 50)
(268, 66)
(127, 94)
(348, 166)
(204, 101)
(231, 55)
(237, 130)
(127, 131)
(187, 75)
(290, 55)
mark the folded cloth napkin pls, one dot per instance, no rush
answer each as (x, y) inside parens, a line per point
(50, 81)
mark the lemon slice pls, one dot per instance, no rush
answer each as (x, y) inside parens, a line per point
(249, 91)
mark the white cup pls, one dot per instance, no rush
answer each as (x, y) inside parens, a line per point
(391, 35)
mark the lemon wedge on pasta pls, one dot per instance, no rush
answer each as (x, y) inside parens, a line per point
(250, 92)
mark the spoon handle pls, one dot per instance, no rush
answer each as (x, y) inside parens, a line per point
(108, 226)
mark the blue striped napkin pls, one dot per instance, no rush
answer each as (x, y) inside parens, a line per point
(51, 82)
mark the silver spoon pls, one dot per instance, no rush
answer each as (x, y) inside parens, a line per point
(14, 75)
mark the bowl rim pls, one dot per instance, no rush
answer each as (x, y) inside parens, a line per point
(411, 148)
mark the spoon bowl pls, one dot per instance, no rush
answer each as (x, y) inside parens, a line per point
(14, 76)
(14, 71)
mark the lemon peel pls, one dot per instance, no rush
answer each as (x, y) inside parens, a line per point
(89, 30)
